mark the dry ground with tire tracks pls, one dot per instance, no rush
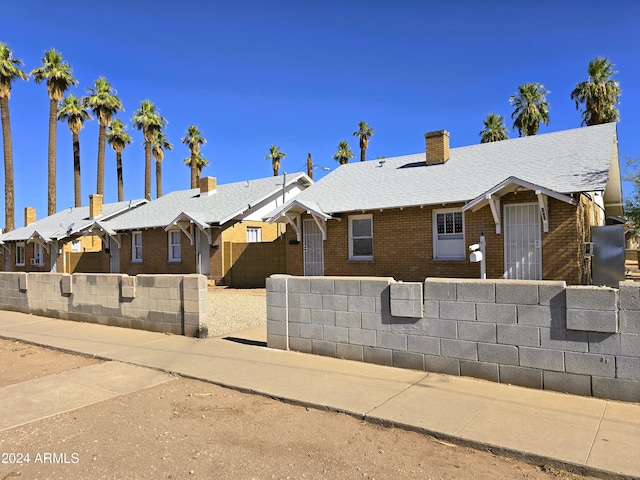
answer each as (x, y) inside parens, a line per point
(190, 429)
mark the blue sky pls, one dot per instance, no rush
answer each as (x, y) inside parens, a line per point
(301, 75)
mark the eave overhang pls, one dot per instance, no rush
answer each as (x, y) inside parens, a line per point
(291, 213)
(514, 184)
(185, 220)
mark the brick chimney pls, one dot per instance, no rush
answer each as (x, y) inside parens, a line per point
(437, 146)
(95, 205)
(207, 186)
(29, 215)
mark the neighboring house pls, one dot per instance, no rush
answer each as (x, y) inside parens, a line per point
(630, 239)
(47, 245)
(193, 231)
(534, 199)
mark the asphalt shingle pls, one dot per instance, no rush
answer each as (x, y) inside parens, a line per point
(228, 201)
(568, 161)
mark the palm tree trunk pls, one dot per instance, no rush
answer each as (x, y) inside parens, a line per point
(119, 176)
(76, 170)
(9, 207)
(51, 189)
(147, 170)
(194, 172)
(363, 154)
(158, 179)
(102, 135)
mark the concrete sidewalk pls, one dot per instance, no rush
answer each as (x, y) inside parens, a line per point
(597, 436)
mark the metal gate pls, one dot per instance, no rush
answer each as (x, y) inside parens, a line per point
(522, 242)
(313, 248)
(608, 255)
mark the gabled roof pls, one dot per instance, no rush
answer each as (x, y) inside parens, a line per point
(569, 161)
(68, 222)
(226, 202)
(509, 185)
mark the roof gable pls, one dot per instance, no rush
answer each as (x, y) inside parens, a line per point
(569, 161)
(68, 222)
(227, 202)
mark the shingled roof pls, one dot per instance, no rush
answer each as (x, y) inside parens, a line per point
(68, 222)
(225, 203)
(569, 161)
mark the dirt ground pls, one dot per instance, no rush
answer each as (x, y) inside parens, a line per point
(191, 429)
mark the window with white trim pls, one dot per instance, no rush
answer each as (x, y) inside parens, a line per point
(136, 247)
(361, 237)
(76, 246)
(254, 234)
(38, 254)
(20, 254)
(175, 250)
(448, 234)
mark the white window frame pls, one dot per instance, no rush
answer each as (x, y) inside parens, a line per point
(256, 233)
(172, 235)
(38, 254)
(366, 216)
(436, 235)
(20, 247)
(136, 250)
(76, 246)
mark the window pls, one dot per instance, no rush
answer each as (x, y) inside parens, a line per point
(76, 246)
(254, 234)
(20, 253)
(174, 246)
(38, 254)
(361, 237)
(448, 234)
(136, 247)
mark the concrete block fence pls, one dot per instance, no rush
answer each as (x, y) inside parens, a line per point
(161, 303)
(537, 334)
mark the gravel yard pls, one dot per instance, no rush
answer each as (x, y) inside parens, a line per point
(232, 310)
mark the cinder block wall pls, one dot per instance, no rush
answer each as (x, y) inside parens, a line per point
(162, 303)
(582, 340)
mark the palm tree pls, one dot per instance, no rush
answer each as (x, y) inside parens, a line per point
(118, 138)
(344, 153)
(193, 139)
(531, 108)
(275, 155)
(494, 129)
(201, 162)
(58, 75)
(365, 132)
(9, 71)
(160, 142)
(74, 111)
(104, 104)
(147, 119)
(600, 94)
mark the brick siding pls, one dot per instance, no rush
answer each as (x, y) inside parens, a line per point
(403, 244)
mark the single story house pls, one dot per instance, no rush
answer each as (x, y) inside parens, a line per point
(533, 198)
(44, 245)
(193, 231)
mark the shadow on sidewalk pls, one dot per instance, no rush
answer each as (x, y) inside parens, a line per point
(245, 341)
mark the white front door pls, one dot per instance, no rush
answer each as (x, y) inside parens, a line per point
(313, 248)
(114, 256)
(202, 249)
(522, 242)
